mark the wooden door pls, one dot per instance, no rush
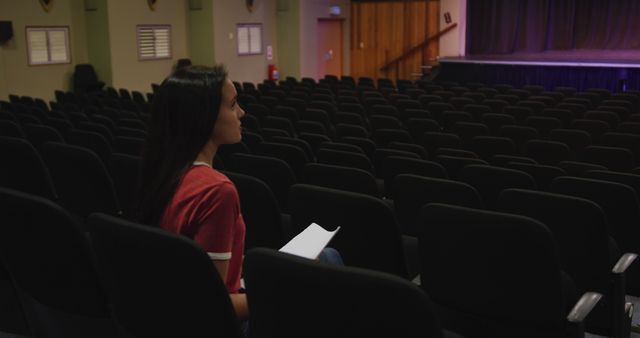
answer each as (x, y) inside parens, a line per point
(329, 57)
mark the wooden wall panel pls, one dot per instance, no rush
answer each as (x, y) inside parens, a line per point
(383, 31)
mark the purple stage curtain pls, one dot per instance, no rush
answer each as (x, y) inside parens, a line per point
(512, 26)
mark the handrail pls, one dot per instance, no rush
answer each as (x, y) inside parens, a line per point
(418, 47)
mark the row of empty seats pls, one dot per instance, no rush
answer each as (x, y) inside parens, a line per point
(379, 200)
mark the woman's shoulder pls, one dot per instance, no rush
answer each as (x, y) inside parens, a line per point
(206, 179)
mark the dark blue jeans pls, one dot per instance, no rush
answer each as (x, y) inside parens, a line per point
(331, 256)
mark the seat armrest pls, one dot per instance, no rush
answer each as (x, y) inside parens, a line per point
(624, 262)
(583, 307)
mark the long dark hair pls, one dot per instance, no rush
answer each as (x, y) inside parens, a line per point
(183, 115)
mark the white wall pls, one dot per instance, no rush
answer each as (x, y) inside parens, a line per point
(127, 71)
(226, 15)
(453, 42)
(310, 12)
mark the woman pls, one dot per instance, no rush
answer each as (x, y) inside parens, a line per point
(194, 112)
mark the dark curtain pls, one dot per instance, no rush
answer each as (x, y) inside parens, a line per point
(510, 26)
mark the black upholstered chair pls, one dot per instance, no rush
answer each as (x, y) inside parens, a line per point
(50, 263)
(475, 263)
(160, 284)
(362, 302)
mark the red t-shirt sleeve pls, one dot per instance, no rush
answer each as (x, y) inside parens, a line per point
(217, 220)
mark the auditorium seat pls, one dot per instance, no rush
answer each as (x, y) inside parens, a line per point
(454, 163)
(11, 129)
(575, 139)
(586, 252)
(410, 147)
(411, 192)
(543, 175)
(613, 158)
(392, 166)
(276, 173)
(367, 225)
(294, 156)
(265, 224)
(488, 146)
(620, 205)
(342, 178)
(622, 140)
(373, 303)
(160, 284)
(507, 257)
(578, 168)
(490, 181)
(81, 180)
(23, 169)
(49, 259)
(547, 152)
(345, 158)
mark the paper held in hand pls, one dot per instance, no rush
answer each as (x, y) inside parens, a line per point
(310, 242)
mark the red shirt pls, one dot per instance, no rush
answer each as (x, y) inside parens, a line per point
(206, 208)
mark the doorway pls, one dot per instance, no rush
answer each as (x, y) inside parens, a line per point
(329, 58)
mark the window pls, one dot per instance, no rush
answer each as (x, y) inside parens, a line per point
(48, 45)
(154, 42)
(249, 39)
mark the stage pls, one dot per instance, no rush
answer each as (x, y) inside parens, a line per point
(616, 70)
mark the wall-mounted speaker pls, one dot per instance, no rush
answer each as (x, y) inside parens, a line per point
(282, 5)
(6, 31)
(195, 5)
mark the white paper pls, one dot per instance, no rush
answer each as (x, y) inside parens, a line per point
(310, 242)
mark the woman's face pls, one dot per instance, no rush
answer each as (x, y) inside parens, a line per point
(228, 129)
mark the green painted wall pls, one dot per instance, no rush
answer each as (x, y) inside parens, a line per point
(201, 42)
(288, 36)
(98, 40)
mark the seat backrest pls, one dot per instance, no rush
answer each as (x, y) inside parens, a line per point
(342, 178)
(490, 181)
(475, 263)
(50, 263)
(160, 284)
(547, 152)
(579, 227)
(293, 155)
(11, 129)
(614, 158)
(276, 173)
(260, 212)
(393, 166)
(542, 174)
(488, 146)
(92, 141)
(125, 170)
(411, 192)
(81, 179)
(369, 236)
(344, 158)
(629, 179)
(86, 72)
(618, 201)
(23, 169)
(455, 163)
(363, 303)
